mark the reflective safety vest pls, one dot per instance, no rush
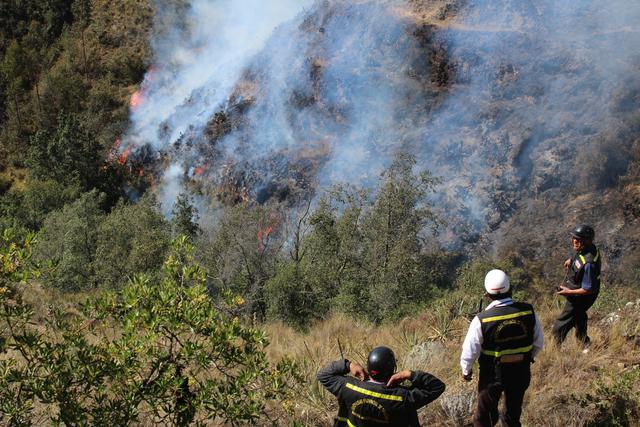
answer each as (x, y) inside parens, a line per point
(507, 331)
(576, 271)
(370, 404)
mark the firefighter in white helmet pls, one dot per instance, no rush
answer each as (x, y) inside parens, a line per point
(505, 337)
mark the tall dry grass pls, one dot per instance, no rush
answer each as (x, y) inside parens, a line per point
(568, 387)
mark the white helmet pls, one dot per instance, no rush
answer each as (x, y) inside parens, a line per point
(496, 282)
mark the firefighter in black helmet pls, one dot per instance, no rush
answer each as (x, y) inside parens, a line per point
(375, 397)
(581, 287)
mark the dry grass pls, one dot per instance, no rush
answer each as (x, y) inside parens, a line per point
(561, 378)
(568, 388)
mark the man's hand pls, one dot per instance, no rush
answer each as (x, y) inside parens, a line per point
(563, 291)
(468, 377)
(398, 377)
(357, 371)
(567, 263)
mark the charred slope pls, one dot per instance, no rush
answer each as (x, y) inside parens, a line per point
(526, 109)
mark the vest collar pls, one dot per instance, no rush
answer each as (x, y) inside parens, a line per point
(588, 249)
(500, 303)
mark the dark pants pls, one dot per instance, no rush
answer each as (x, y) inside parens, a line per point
(511, 379)
(574, 314)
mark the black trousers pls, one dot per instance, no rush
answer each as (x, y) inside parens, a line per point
(574, 314)
(510, 379)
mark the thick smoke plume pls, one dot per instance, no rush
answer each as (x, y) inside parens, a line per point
(503, 100)
(201, 50)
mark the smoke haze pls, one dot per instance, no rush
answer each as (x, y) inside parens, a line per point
(503, 100)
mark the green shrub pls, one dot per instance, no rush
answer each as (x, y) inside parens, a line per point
(158, 352)
(615, 399)
(131, 239)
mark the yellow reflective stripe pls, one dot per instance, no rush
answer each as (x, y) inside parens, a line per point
(509, 351)
(350, 423)
(506, 316)
(374, 393)
(343, 419)
(595, 258)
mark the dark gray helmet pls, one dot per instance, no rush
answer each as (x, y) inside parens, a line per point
(381, 363)
(584, 232)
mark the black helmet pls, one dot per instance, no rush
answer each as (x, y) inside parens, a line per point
(583, 231)
(381, 363)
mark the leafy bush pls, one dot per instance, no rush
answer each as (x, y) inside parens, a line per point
(615, 400)
(15, 269)
(131, 239)
(159, 352)
(184, 218)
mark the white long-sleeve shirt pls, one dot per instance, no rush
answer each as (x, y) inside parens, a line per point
(472, 346)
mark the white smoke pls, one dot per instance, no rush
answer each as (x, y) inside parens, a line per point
(172, 187)
(497, 98)
(196, 67)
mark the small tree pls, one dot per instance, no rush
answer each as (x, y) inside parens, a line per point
(334, 269)
(69, 239)
(393, 232)
(185, 217)
(43, 197)
(70, 155)
(15, 69)
(243, 252)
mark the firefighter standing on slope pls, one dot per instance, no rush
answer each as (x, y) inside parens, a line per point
(380, 401)
(506, 336)
(581, 287)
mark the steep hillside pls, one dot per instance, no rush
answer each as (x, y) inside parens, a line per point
(524, 109)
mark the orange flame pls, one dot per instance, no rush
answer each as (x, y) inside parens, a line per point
(198, 170)
(264, 234)
(122, 158)
(136, 99)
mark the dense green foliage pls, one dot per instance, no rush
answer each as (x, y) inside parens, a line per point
(366, 255)
(65, 77)
(363, 256)
(69, 239)
(160, 350)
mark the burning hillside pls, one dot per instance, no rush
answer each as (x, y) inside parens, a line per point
(525, 108)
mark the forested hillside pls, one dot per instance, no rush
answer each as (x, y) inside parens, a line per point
(197, 198)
